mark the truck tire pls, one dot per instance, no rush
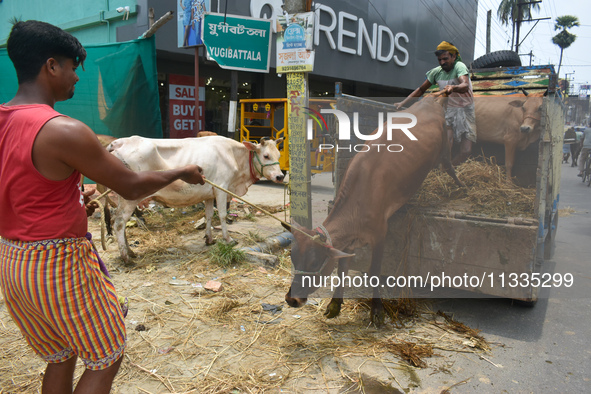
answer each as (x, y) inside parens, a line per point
(525, 304)
(497, 59)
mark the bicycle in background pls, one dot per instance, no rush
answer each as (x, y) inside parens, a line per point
(587, 170)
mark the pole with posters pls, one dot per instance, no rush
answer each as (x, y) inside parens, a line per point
(197, 108)
(233, 104)
(295, 58)
(190, 16)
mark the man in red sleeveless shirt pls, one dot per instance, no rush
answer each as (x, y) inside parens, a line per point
(64, 304)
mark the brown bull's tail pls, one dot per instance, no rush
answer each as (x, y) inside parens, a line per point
(449, 168)
(446, 158)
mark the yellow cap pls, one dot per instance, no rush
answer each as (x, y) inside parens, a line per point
(446, 46)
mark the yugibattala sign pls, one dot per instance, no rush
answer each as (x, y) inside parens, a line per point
(237, 43)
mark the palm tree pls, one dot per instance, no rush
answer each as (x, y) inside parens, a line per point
(509, 11)
(564, 39)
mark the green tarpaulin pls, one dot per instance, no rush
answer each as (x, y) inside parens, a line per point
(117, 93)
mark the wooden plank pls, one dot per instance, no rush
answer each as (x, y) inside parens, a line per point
(516, 83)
(509, 80)
(498, 92)
(509, 72)
(506, 92)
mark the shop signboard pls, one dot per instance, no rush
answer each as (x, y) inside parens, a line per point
(381, 42)
(237, 43)
(181, 90)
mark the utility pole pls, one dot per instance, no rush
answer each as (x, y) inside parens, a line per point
(196, 128)
(530, 54)
(233, 106)
(567, 82)
(519, 5)
(488, 29)
(299, 152)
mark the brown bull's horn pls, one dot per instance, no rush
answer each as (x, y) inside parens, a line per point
(524, 92)
(338, 254)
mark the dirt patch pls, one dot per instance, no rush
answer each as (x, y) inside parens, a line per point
(184, 339)
(566, 212)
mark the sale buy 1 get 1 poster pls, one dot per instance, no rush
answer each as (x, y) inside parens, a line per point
(182, 106)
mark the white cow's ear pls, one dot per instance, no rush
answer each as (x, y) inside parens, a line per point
(278, 141)
(249, 145)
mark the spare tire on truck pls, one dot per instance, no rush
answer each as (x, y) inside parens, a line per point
(497, 59)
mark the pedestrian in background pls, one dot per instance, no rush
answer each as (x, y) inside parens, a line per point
(567, 142)
(586, 148)
(575, 149)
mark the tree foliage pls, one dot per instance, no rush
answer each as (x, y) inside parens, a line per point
(564, 38)
(566, 22)
(508, 11)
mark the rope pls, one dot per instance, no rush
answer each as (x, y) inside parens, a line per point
(101, 196)
(315, 238)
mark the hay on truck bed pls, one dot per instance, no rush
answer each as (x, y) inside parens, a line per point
(487, 192)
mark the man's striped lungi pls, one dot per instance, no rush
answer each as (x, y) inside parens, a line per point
(61, 301)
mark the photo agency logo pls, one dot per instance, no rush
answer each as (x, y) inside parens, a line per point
(395, 122)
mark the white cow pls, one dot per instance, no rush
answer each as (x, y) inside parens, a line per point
(227, 163)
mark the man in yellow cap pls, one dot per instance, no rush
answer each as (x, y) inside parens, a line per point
(452, 76)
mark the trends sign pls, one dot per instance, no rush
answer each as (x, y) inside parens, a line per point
(383, 42)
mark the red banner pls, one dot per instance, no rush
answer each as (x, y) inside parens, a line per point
(181, 104)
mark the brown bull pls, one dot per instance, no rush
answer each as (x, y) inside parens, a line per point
(105, 140)
(205, 134)
(374, 187)
(509, 121)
